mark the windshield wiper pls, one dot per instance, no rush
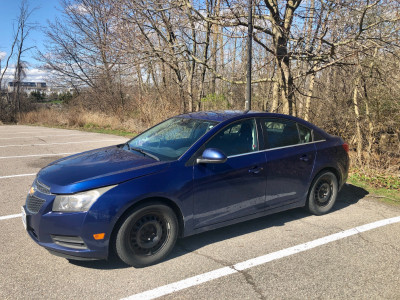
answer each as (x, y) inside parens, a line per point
(143, 152)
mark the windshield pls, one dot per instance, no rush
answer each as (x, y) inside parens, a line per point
(170, 139)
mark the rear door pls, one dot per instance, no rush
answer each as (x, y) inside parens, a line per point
(290, 157)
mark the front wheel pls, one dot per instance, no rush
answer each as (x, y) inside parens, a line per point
(322, 194)
(147, 235)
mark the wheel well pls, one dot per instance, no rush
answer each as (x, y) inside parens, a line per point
(333, 170)
(152, 200)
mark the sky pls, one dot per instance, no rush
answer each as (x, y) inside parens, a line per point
(44, 11)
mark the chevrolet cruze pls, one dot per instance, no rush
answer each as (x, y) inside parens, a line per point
(189, 174)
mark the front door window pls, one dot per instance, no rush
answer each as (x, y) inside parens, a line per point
(237, 138)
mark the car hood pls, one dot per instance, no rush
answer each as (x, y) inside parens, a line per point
(97, 168)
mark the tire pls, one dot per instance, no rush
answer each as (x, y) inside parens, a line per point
(147, 235)
(323, 193)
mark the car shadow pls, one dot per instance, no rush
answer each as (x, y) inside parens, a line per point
(349, 195)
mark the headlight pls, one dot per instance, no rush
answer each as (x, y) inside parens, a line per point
(78, 202)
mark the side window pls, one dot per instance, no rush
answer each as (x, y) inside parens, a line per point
(317, 136)
(280, 133)
(305, 134)
(237, 138)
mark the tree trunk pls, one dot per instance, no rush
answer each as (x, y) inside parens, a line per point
(275, 95)
(280, 32)
(201, 93)
(357, 120)
(215, 30)
(308, 98)
(285, 81)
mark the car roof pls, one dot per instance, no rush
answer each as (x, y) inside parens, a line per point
(224, 115)
(221, 116)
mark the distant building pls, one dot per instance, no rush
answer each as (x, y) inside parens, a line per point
(58, 90)
(42, 87)
(28, 86)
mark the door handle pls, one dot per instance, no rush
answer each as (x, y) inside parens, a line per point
(304, 158)
(256, 170)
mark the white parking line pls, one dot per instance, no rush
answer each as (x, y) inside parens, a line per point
(24, 132)
(36, 155)
(19, 175)
(80, 142)
(40, 136)
(10, 217)
(205, 277)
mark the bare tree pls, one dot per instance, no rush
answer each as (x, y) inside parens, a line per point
(18, 48)
(173, 46)
(81, 50)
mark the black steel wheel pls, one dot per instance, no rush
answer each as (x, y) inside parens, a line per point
(147, 235)
(322, 194)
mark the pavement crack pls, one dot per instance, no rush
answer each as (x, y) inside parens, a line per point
(391, 246)
(249, 278)
(361, 236)
(218, 261)
(320, 226)
(250, 281)
(377, 243)
(374, 209)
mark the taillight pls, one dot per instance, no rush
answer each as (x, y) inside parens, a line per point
(346, 147)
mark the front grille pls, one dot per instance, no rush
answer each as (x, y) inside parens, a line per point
(74, 242)
(42, 187)
(34, 204)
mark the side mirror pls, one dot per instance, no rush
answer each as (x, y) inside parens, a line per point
(212, 156)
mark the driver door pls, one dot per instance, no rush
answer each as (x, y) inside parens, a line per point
(233, 189)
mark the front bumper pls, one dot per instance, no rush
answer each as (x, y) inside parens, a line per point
(72, 257)
(68, 235)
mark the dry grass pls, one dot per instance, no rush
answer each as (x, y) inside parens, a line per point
(376, 164)
(153, 111)
(133, 119)
(74, 118)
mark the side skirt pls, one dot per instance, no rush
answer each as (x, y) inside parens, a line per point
(246, 218)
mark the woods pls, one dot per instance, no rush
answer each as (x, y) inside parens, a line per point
(332, 62)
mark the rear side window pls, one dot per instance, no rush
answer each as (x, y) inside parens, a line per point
(318, 136)
(280, 133)
(305, 134)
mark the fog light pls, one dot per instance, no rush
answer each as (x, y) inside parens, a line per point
(99, 236)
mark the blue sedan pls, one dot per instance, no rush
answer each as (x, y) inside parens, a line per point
(189, 174)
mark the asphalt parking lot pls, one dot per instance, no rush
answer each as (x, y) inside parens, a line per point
(290, 255)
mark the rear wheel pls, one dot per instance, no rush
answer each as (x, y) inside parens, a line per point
(147, 235)
(322, 194)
